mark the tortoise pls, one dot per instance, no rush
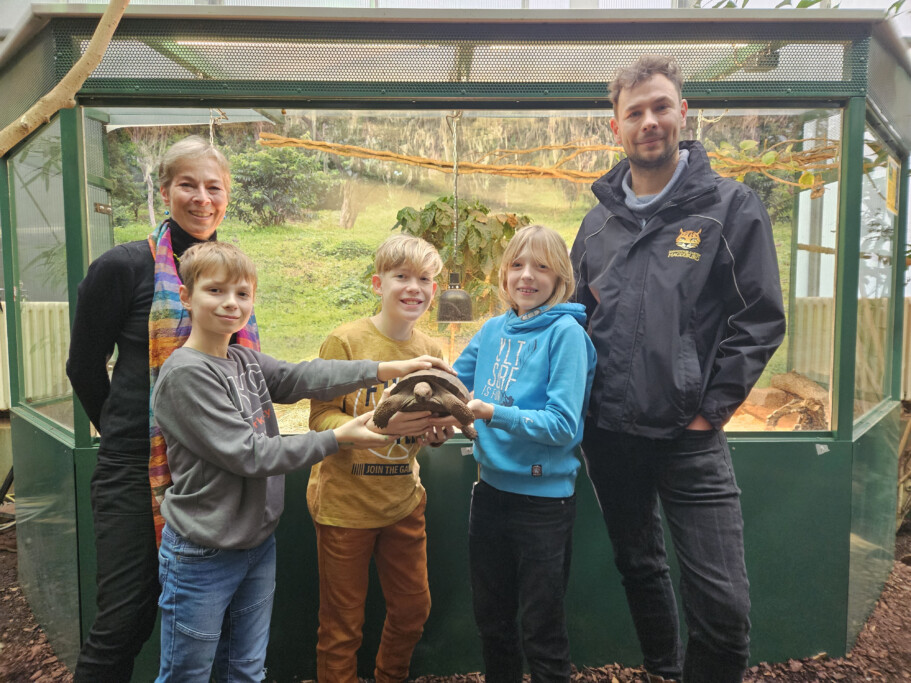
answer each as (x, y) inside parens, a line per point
(438, 391)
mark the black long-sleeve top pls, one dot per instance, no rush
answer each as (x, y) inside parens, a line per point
(112, 309)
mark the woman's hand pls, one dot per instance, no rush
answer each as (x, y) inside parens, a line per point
(360, 433)
(398, 368)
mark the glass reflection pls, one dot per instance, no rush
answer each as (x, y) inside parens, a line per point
(37, 215)
(878, 222)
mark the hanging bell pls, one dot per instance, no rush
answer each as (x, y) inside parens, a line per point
(455, 304)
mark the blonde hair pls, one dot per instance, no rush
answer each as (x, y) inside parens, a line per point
(187, 152)
(407, 250)
(209, 257)
(547, 247)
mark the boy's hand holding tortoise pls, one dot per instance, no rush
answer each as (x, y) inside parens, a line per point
(438, 391)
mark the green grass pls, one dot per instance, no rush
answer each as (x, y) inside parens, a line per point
(312, 274)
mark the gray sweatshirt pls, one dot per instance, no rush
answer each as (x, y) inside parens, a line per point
(226, 455)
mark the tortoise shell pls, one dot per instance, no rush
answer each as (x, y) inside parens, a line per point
(438, 377)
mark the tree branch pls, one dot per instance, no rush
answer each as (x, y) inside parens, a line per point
(62, 95)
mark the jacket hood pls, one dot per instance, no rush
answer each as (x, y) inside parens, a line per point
(699, 175)
(542, 317)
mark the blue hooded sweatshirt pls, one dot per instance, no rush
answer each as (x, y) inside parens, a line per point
(537, 371)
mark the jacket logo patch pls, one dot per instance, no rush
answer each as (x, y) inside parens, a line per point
(537, 471)
(688, 241)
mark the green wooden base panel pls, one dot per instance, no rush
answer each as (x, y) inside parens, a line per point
(874, 497)
(819, 536)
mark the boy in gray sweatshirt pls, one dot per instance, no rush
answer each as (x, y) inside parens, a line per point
(213, 403)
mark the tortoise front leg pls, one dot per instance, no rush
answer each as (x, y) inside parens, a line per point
(462, 413)
(388, 407)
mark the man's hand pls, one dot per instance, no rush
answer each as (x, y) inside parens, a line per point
(398, 368)
(700, 424)
(357, 433)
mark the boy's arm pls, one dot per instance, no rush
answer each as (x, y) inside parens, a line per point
(572, 362)
(197, 417)
(316, 379)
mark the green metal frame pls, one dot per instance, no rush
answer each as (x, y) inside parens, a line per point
(847, 267)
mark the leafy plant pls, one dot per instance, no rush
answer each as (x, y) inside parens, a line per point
(474, 250)
(346, 249)
(352, 292)
(779, 162)
(271, 186)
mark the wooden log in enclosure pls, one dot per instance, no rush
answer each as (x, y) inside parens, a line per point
(799, 385)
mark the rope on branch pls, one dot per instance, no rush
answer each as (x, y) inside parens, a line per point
(818, 159)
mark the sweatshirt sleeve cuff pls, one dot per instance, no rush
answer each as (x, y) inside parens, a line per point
(504, 417)
(327, 444)
(376, 370)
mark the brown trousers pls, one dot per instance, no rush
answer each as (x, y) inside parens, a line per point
(400, 553)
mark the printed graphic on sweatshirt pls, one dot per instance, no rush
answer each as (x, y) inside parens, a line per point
(250, 388)
(688, 241)
(505, 370)
(399, 452)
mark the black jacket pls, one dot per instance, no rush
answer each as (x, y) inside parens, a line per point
(684, 312)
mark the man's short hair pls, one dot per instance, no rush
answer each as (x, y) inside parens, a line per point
(209, 257)
(407, 250)
(187, 152)
(644, 68)
(545, 246)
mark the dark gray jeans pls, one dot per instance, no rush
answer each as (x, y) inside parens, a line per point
(519, 552)
(693, 478)
(127, 577)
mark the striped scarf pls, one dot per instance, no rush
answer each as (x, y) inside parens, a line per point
(169, 327)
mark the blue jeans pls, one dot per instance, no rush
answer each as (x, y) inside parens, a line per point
(519, 550)
(693, 478)
(215, 610)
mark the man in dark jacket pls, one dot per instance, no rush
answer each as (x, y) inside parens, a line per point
(677, 270)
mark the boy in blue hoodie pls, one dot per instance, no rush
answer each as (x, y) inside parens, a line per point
(531, 371)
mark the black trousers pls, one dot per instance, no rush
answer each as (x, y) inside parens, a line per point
(692, 480)
(127, 578)
(519, 553)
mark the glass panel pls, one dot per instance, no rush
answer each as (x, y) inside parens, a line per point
(790, 158)
(37, 216)
(336, 195)
(101, 234)
(878, 222)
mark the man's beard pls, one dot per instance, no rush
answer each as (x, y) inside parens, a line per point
(652, 163)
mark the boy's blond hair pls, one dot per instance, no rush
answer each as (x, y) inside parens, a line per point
(187, 152)
(208, 257)
(407, 250)
(545, 246)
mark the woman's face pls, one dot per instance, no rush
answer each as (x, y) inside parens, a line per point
(197, 197)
